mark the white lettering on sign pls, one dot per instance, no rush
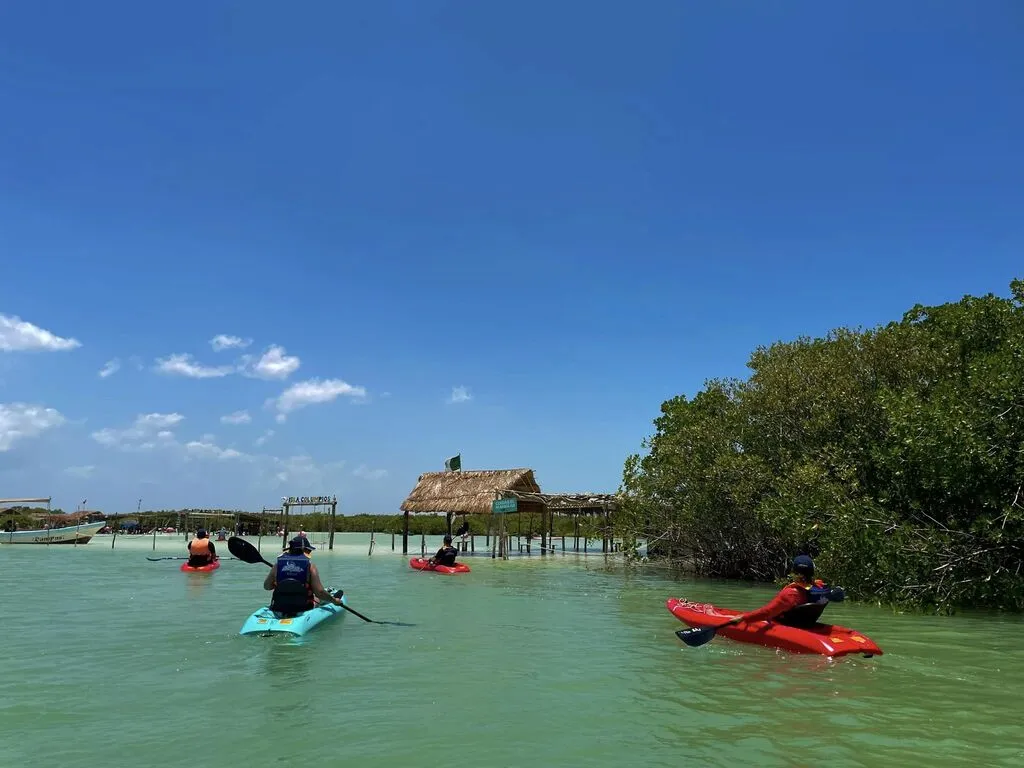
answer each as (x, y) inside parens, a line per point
(299, 500)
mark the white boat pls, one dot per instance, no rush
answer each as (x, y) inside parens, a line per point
(71, 534)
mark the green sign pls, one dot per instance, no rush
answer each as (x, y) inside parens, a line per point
(504, 505)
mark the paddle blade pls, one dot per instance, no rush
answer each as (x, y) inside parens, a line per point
(696, 636)
(245, 551)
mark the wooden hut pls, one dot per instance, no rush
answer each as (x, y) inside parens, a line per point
(575, 505)
(468, 492)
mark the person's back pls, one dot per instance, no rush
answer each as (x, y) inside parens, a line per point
(816, 597)
(295, 581)
(799, 603)
(446, 555)
(292, 594)
(201, 550)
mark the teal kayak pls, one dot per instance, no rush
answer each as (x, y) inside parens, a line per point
(268, 622)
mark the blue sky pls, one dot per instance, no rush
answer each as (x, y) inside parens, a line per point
(562, 213)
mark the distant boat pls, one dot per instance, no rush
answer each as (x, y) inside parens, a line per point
(71, 534)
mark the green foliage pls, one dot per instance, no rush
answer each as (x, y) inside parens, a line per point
(895, 455)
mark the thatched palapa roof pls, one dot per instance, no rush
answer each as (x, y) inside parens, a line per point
(470, 492)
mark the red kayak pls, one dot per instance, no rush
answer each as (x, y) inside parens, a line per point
(826, 639)
(424, 565)
(202, 568)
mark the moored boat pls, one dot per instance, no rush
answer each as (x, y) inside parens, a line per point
(71, 534)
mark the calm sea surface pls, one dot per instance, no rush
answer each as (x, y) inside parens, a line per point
(113, 660)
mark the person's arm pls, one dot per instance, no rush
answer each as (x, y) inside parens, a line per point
(270, 582)
(787, 599)
(318, 587)
(189, 546)
(213, 550)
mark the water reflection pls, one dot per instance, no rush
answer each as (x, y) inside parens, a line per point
(197, 583)
(286, 669)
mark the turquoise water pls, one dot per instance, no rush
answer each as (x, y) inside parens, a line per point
(112, 660)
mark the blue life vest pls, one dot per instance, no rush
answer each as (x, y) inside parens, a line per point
(292, 568)
(293, 593)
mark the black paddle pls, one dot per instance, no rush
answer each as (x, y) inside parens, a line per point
(157, 559)
(697, 636)
(246, 552)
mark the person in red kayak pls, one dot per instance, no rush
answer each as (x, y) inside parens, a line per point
(446, 554)
(800, 603)
(201, 550)
(295, 581)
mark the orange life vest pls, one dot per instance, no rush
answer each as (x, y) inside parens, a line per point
(199, 547)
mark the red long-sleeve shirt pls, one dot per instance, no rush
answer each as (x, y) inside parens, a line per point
(789, 597)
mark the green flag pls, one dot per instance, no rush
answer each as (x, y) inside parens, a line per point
(454, 464)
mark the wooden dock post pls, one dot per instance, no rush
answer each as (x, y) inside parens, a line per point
(334, 513)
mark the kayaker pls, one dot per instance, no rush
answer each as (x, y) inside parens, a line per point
(800, 603)
(201, 550)
(295, 581)
(446, 554)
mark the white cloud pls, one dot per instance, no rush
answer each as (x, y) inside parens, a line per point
(23, 420)
(302, 469)
(262, 439)
(222, 341)
(311, 392)
(143, 428)
(159, 420)
(149, 431)
(369, 474)
(111, 367)
(83, 472)
(460, 395)
(207, 449)
(238, 417)
(274, 364)
(184, 365)
(17, 335)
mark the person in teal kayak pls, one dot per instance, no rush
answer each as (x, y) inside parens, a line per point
(800, 603)
(295, 581)
(446, 554)
(201, 550)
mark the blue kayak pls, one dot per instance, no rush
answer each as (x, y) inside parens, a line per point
(268, 622)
